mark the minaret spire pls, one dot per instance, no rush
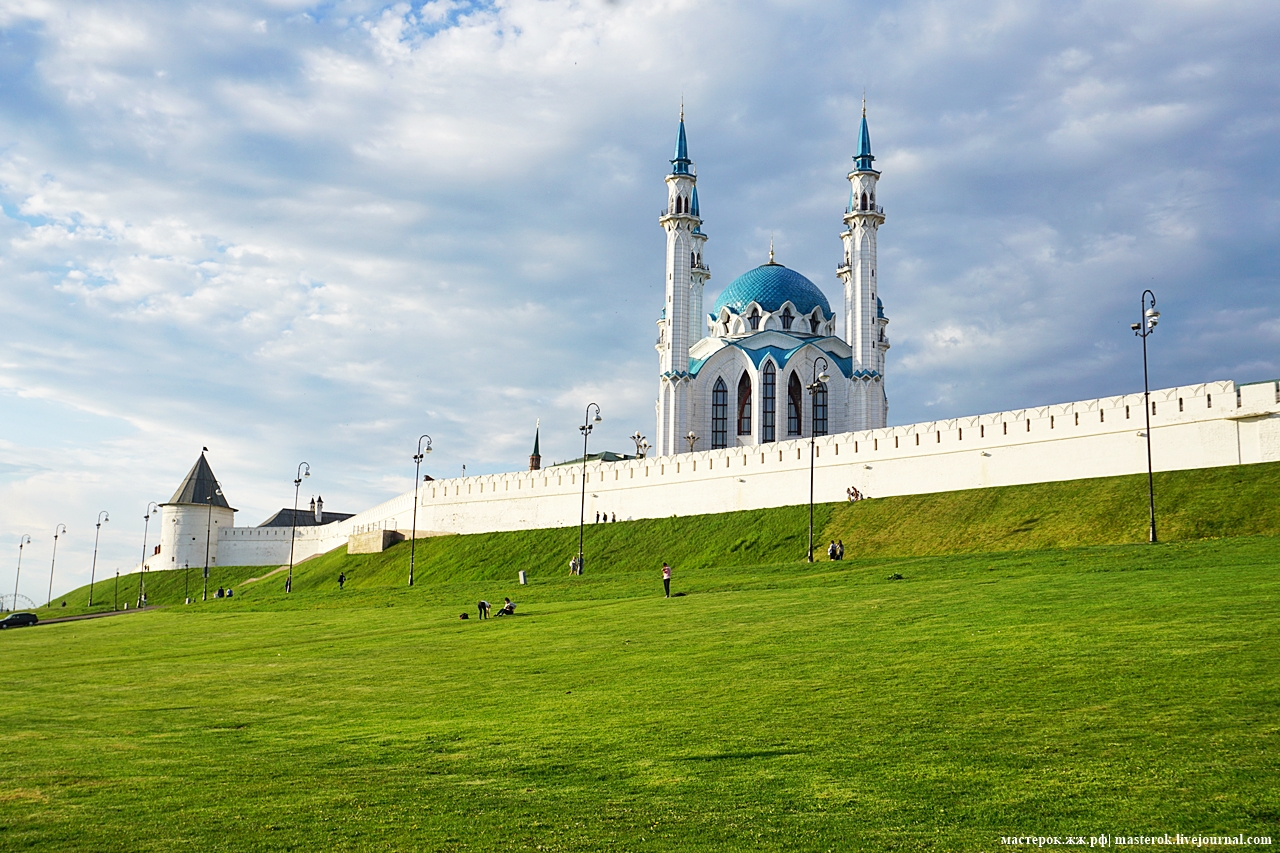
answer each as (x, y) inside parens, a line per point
(535, 458)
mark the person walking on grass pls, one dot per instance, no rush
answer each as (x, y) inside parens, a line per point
(342, 579)
(666, 579)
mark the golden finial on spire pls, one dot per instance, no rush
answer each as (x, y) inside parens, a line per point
(770, 248)
(681, 107)
(864, 103)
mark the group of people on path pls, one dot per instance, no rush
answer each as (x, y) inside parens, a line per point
(507, 609)
(575, 565)
(605, 517)
(835, 550)
(854, 494)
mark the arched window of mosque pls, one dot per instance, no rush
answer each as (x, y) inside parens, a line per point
(787, 317)
(820, 410)
(864, 201)
(795, 405)
(719, 414)
(768, 401)
(815, 321)
(754, 319)
(744, 404)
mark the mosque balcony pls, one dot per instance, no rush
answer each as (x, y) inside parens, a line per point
(869, 209)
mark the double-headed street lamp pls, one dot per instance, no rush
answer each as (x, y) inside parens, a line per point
(54, 561)
(417, 471)
(692, 438)
(102, 518)
(142, 569)
(1149, 318)
(819, 383)
(24, 539)
(587, 425)
(642, 445)
(304, 470)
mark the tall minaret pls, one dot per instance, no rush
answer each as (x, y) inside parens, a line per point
(864, 320)
(681, 323)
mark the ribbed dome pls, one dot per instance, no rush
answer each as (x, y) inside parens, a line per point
(770, 285)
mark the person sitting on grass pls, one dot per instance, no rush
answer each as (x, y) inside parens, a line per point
(508, 609)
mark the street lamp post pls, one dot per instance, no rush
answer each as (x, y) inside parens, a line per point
(293, 529)
(587, 425)
(208, 532)
(54, 561)
(642, 445)
(819, 383)
(24, 539)
(417, 470)
(142, 569)
(186, 582)
(692, 438)
(102, 517)
(1147, 324)
(116, 604)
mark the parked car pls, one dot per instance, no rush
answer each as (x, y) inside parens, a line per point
(18, 620)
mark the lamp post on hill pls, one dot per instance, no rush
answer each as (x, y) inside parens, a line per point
(208, 532)
(24, 539)
(692, 438)
(819, 384)
(53, 562)
(142, 569)
(102, 518)
(587, 425)
(1147, 324)
(293, 521)
(417, 471)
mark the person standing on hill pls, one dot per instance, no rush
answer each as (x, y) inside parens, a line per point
(666, 579)
(342, 579)
(839, 549)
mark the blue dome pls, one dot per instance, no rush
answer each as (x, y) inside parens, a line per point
(771, 285)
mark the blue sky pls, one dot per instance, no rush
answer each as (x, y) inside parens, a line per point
(292, 231)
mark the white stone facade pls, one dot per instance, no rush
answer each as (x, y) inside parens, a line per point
(1200, 426)
(745, 374)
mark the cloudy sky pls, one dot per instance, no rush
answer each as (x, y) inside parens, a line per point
(292, 231)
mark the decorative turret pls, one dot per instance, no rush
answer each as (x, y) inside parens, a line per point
(864, 320)
(682, 323)
(535, 458)
(319, 508)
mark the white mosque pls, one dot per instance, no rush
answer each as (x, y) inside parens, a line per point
(749, 371)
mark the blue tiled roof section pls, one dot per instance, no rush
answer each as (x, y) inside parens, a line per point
(680, 163)
(693, 207)
(782, 356)
(864, 158)
(771, 285)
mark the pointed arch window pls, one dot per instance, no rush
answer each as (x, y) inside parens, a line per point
(754, 319)
(768, 402)
(864, 201)
(795, 405)
(820, 410)
(744, 404)
(787, 318)
(719, 414)
(815, 321)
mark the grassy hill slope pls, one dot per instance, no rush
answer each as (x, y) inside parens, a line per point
(1122, 689)
(1235, 501)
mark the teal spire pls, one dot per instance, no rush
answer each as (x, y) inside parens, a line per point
(693, 207)
(864, 158)
(680, 165)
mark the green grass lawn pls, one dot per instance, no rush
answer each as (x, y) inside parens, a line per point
(776, 706)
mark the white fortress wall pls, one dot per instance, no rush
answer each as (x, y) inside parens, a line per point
(1200, 426)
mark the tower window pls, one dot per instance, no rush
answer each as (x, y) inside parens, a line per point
(744, 404)
(864, 201)
(820, 410)
(754, 319)
(719, 415)
(787, 318)
(768, 402)
(1209, 399)
(814, 322)
(1179, 404)
(793, 405)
